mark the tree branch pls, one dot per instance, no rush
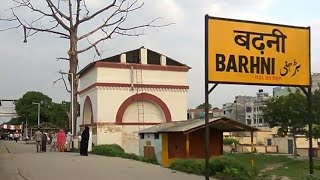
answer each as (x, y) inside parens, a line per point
(62, 58)
(70, 15)
(87, 18)
(53, 8)
(51, 5)
(64, 82)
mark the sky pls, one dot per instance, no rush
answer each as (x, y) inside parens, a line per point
(33, 66)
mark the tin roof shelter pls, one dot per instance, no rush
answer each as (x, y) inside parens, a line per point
(44, 127)
(185, 139)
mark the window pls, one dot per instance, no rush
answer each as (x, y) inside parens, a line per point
(269, 142)
(141, 136)
(156, 136)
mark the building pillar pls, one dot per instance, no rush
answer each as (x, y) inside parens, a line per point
(252, 150)
(187, 145)
(165, 152)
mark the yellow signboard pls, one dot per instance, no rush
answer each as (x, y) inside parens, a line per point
(244, 52)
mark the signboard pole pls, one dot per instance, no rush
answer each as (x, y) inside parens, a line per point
(310, 119)
(206, 93)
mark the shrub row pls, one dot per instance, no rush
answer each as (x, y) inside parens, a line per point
(221, 168)
(114, 150)
(229, 141)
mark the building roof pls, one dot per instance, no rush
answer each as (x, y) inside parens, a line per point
(222, 123)
(133, 56)
(202, 110)
(46, 126)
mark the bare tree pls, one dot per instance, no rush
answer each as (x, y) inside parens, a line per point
(72, 20)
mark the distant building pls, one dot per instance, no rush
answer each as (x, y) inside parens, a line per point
(227, 110)
(254, 114)
(200, 113)
(247, 109)
(315, 81)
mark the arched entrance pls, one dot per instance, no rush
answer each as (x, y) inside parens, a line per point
(87, 111)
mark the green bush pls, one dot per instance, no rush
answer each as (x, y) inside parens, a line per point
(227, 167)
(229, 141)
(132, 156)
(221, 168)
(188, 166)
(113, 150)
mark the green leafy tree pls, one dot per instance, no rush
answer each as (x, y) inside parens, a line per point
(49, 111)
(288, 113)
(25, 107)
(316, 114)
(202, 106)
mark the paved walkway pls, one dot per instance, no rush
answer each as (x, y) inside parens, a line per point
(23, 163)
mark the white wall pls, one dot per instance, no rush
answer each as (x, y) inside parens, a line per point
(88, 79)
(124, 135)
(109, 134)
(116, 75)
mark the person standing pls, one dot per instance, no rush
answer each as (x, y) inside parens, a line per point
(69, 140)
(54, 142)
(84, 142)
(16, 136)
(44, 142)
(38, 139)
(61, 140)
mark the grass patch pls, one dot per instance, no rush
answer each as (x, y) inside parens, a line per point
(297, 169)
(294, 169)
(221, 167)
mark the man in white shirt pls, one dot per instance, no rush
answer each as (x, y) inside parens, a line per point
(69, 140)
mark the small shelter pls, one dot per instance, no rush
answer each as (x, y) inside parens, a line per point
(186, 139)
(47, 127)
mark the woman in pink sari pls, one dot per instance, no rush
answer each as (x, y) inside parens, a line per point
(61, 140)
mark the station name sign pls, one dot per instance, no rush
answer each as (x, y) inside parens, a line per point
(245, 52)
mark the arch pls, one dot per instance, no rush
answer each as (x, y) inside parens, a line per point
(87, 111)
(141, 97)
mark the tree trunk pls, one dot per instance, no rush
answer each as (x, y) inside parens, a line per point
(73, 62)
(295, 145)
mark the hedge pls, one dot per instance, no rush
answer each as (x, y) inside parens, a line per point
(221, 168)
(114, 150)
(229, 141)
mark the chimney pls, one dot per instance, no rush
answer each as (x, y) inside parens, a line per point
(144, 55)
(123, 58)
(163, 60)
